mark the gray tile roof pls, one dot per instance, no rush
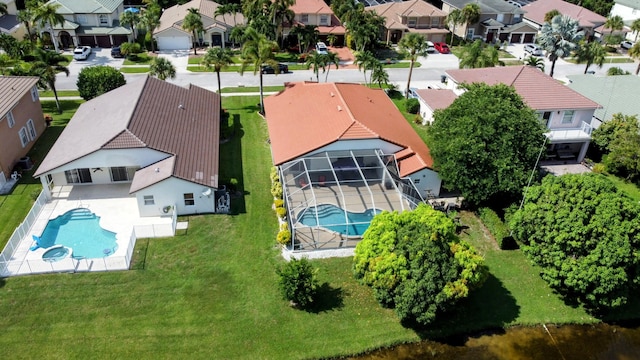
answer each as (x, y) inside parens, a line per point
(87, 6)
(182, 122)
(12, 88)
(488, 6)
(8, 22)
(617, 94)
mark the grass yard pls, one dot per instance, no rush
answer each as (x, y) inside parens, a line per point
(138, 59)
(134, 70)
(248, 89)
(401, 65)
(61, 93)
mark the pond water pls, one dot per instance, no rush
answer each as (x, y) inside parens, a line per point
(564, 342)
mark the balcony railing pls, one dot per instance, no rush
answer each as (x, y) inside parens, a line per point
(581, 133)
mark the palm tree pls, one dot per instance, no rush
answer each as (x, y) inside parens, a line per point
(46, 65)
(453, 19)
(280, 12)
(26, 17)
(47, 16)
(614, 23)
(634, 53)
(237, 34)
(470, 14)
(162, 68)
(331, 39)
(150, 19)
(415, 45)
(559, 38)
(550, 15)
(379, 75)
(229, 8)
(479, 55)
(590, 53)
(258, 50)
(193, 23)
(635, 27)
(216, 59)
(3, 9)
(331, 58)
(132, 19)
(535, 61)
(317, 61)
(366, 61)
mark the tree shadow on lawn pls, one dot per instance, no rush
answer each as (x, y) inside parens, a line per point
(328, 298)
(487, 310)
(231, 166)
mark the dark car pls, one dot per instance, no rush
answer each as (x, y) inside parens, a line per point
(115, 52)
(268, 69)
(442, 47)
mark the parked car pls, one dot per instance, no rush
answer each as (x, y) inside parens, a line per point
(533, 49)
(442, 48)
(321, 48)
(268, 69)
(626, 44)
(81, 52)
(430, 47)
(115, 52)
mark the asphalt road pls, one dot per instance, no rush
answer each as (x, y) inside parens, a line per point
(432, 68)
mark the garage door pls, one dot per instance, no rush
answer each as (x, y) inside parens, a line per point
(174, 43)
(515, 38)
(528, 38)
(103, 41)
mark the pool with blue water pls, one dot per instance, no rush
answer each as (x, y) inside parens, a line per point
(79, 229)
(337, 219)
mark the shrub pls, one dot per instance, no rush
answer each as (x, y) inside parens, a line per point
(412, 106)
(274, 174)
(276, 190)
(284, 237)
(495, 225)
(298, 282)
(282, 212)
(599, 168)
(94, 81)
(284, 226)
(278, 203)
(417, 119)
(130, 48)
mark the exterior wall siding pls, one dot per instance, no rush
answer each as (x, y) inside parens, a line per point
(427, 181)
(170, 192)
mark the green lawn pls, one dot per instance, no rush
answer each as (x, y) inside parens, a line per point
(134, 70)
(400, 65)
(61, 93)
(247, 89)
(608, 60)
(628, 188)
(139, 59)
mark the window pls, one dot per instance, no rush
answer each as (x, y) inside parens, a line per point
(148, 200)
(121, 173)
(567, 118)
(24, 138)
(500, 18)
(304, 18)
(544, 118)
(470, 33)
(324, 19)
(31, 129)
(435, 22)
(188, 199)
(78, 176)
(34, 93)
(411, 22)
(103, 20)
(10, 120)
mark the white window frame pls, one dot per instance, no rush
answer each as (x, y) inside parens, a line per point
(324, 19)
(11, 121)
(572, 113)
(24, 136)
(304, 18)
(34, 94)
(103, 20)
(148, 200)
(411, 22)
(189, 199)
(500, 18)
(31, 130)
(470, 33)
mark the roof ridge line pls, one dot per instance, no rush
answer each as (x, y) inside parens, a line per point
(518, 75)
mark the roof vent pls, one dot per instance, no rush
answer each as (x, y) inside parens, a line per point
(156, 170)
(339, 108)
(332, 94)
(181, 106)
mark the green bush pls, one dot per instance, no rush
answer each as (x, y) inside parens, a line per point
(130, 48)
(276, 190)
(274, 174)
(284, 237)
(412, 106)
(599, 168)
(298, 282)
(495, 225)
(278, 203)
(94, 81)
(282, 212)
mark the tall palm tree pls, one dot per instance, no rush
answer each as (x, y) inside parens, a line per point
(47, 16)
(150, 19)
(470, 14)
(478, 55)
(614, 23)
(26, 17)
(229, 8)
(635, 27)
(415, 45)
(317, 62)
(331, 58)
(379, 75)
(280, 12)
(237, 34)
(453, 19)
(217, 59)
(590, 53)
(366, 61)
(535, 61)
(162, 68)
(132, 19)
(193, 23)
(634, 53)
(45, 66)
(258, 50)
(559, 38)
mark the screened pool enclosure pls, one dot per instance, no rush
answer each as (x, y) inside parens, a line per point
(332, 196)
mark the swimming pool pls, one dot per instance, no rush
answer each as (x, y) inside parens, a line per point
(333, 218)
(79, 229)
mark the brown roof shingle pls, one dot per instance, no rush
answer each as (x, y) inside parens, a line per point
(307, 116)
(12, 88)
(539, 90)
(437, 98)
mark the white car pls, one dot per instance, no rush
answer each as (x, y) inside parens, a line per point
(430, 47)
(81, 52)
(321, 48)
(533, 49)
(626, 44)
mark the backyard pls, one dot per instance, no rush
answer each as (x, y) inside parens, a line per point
(211, 291)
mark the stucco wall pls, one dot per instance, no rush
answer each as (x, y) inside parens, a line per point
(170, 192)
(427, 179)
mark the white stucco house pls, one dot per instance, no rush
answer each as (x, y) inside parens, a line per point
(160, 138)
(564, 112)
(432, 99)
(171, 36)
(629, 11)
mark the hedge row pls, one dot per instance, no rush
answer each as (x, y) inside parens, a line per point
(496, 226)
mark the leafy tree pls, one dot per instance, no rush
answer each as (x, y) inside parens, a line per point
(634, 53)
(603, 137)
(257, 50)
(635, 27)
(14, 48)
(237, 34)
(415, 45)
(150, 19)
(584, 235)
(193, 23)
(331, 39)
(94, 81)
(331, 58)
(613, 71)
(535, 62)
(366, 61)
(412, 105)
(559, 38)
(470, 13)
(479, 55)
(453, 19)
(132, 19)
(47, 16)
(619, 141)
(363, 26)
(307, 35)
(26, 17)
(416, 264)
(550, 15)
(590, 53)
(128, 49)
(217, 59)
(162, 68)
(484, 147)
(298, 282)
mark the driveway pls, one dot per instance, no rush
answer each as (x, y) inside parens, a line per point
(99, 56)
(179, 59)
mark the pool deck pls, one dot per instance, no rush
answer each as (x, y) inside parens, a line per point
(118, 212)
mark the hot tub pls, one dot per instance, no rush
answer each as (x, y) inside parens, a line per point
(56, 253)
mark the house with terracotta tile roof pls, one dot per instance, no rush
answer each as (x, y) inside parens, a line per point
(318, 13)
(160, 139)
(21, 121)
(432, 99)
(413, 16)
(590, 22)
(564, 112)
(171, 36)
(344, 152)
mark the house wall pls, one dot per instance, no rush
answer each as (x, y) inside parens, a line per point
(425, 111)
(171, 191)
(11, 149)
(578, 117)
(314, 19)
(427, 181)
